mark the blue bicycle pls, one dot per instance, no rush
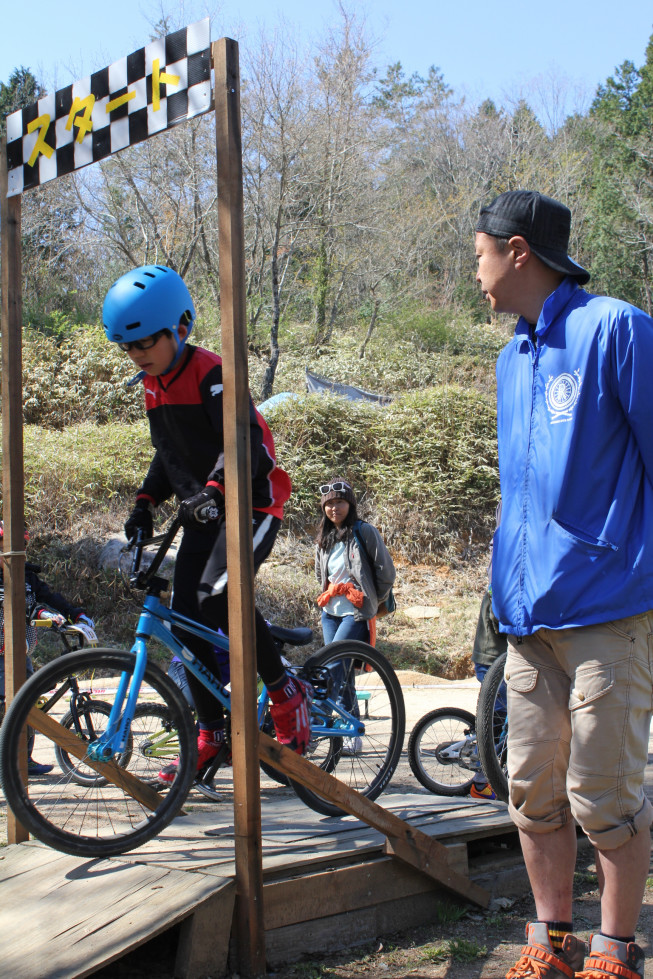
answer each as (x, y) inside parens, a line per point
(357, 729)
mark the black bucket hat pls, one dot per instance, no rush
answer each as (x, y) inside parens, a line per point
(542, 221)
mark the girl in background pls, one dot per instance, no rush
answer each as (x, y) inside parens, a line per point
(354, 579)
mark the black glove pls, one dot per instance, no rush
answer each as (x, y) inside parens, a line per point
(139, 519)
(201, 508)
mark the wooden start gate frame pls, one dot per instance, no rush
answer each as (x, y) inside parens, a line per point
(145, 93)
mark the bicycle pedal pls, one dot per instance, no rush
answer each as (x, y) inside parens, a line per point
(208, 791)
(320, 678)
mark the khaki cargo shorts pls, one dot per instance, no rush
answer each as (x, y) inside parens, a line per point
(579, 709)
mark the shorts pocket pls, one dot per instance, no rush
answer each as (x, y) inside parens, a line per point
(625, 628)
(520, 676)
(590, 685)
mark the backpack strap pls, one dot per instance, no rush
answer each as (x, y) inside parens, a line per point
(356, 530)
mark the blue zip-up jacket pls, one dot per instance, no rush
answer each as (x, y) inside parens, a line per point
(575, 427)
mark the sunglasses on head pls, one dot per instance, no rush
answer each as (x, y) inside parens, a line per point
(334, 487)
(145, 344)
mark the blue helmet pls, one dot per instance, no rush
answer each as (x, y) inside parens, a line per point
(146, 300)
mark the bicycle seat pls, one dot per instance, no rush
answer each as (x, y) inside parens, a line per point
(300, 636)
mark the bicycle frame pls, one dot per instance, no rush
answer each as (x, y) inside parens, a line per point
(156, 622)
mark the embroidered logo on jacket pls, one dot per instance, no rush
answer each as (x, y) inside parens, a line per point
(562, 393)
(216, 389)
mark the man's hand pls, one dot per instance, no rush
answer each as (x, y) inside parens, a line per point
(139, 519)
(201, 508)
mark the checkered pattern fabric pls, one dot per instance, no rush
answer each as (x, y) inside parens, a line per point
(154, 88)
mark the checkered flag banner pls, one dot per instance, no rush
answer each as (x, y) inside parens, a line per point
(148, 91)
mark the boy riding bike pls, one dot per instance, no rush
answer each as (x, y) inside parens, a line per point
(149, 313)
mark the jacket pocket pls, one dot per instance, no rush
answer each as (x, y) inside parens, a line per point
(581, 536)
(590, 685)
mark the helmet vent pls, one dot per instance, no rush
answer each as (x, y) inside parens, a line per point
(140, 285)
(150, 275)
(133, 326)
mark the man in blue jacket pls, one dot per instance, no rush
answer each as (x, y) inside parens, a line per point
(573, 580)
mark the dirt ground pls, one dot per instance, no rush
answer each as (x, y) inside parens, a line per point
(463, 944)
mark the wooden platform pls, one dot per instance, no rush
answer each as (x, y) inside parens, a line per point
(331, 873)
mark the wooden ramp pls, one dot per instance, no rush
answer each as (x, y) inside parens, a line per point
(64, 917)
(328, 883)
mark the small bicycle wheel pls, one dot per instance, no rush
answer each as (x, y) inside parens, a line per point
(365, 689)
(88, 720)
(442, 751)
(492, 728)
(120, 811)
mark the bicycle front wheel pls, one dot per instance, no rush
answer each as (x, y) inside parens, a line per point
(492, 728)
(442, 751)
(364, 690)
(124, 807)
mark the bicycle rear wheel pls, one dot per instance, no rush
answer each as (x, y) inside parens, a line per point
(442, 751)
(121, 810)
(364, 685)
(492, 728)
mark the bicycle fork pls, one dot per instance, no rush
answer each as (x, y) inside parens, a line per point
(114, 740)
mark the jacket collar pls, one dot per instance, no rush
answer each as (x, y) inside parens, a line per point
(552, 308)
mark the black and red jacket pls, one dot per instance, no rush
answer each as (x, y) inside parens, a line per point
(184, 409)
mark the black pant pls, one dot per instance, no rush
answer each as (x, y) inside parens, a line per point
(200, 592)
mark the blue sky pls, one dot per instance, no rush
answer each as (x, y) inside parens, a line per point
(483, 49)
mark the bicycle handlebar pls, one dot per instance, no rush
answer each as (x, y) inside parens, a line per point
(139, 578)
(82, 634)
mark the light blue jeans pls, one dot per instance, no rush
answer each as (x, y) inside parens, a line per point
(337, 627)
(334, 629)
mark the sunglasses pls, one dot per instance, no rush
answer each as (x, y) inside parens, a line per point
(334, 487)
(145, 344)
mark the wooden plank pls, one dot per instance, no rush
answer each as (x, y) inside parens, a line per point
(124, 779)
(13, 502)
(410, 844)
(353, 928)
(238, 500)
(338, 890)
(84, 914)
(203, 947)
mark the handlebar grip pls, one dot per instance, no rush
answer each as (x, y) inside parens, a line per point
(137, 543)
(42, 623)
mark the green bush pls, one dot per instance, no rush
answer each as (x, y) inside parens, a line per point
(83, 470)
(77, 378)
(424, 468)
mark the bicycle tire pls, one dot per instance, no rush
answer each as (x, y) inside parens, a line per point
(104, 819)
(89, 712)
(492, 729)
(369, 767)
(434, 733)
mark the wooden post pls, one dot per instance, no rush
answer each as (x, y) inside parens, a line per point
(238, 494)
(13, 494)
